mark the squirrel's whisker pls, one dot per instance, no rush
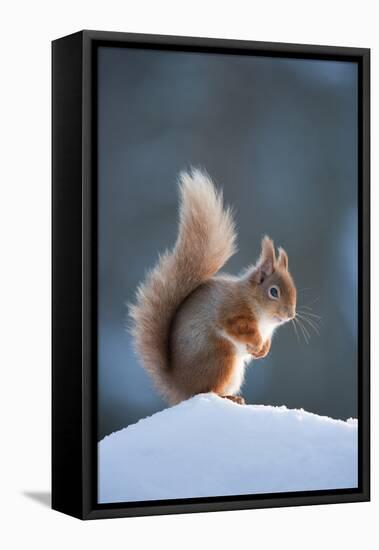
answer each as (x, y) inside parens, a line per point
(311, 314)
(306, 331)
(311, 303)
(316, 320)
(297, 320)
(310, 322)
(307, 314)
(304, 306)
(295, 329)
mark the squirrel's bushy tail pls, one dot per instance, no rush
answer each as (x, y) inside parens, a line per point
(206, 240)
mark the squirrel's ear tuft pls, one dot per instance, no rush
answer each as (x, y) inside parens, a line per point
(283, 259)
(266, 262)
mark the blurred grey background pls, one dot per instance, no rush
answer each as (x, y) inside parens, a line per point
(280, 137)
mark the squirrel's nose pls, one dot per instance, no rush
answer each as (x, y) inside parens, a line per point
(290, 313)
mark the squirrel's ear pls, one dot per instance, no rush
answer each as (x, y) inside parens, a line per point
(266, 262)
(283, 259)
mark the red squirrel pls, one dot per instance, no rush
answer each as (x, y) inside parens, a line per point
(195, 329)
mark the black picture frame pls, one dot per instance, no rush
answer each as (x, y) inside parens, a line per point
(74, 337)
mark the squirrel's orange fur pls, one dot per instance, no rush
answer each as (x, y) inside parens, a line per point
(194, 330)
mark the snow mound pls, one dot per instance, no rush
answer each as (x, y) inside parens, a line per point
(208, 446)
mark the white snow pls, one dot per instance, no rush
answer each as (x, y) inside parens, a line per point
(208, 446)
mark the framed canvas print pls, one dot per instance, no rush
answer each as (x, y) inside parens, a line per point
(210, 275)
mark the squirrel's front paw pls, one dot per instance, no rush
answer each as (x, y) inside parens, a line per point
(253, 350)
(261, 351)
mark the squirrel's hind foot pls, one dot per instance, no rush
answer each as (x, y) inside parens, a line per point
(235, 398)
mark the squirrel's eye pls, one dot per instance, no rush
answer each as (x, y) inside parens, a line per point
(273, 292)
